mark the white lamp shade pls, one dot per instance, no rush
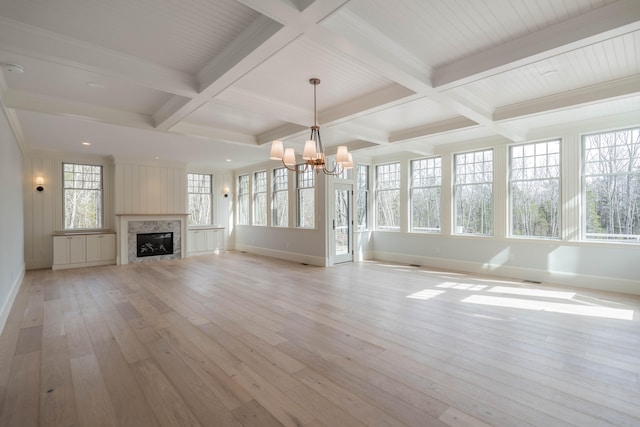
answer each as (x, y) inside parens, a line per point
(348, 164)
(277, 150)
(342, 155)
(289, 157)
(309, 152)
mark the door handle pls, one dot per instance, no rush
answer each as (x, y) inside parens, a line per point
(334, 224)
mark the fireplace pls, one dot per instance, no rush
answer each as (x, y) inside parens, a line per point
(153, 244)
(131, 225)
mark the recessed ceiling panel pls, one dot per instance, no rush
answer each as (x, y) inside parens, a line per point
(285, 76)
(51, 79)
(65, 134)
(440, 32)
(176, 34)
(601, 62)
(406, 116)
(222, 116)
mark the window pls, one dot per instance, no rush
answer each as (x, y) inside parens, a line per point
(306, 199)
(243, 199)
(280, 203)
(535, 189)
(426, 179)
(260, 198)
(611, 185)
(474, 192)
(199, 197)
(362, 197)
(388, 196)
(82, 196)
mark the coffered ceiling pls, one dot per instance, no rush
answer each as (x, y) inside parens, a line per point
(208, 81)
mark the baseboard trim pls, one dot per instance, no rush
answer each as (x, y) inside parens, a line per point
(287, 256)
(8, 303)
(552, 277)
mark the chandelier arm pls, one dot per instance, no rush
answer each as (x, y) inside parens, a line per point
(295, 167)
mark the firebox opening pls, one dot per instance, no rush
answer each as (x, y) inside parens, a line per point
(153, 244)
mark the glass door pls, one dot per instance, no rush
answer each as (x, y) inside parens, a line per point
(342, 233)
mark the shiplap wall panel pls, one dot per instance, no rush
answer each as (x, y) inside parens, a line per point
(146, 189)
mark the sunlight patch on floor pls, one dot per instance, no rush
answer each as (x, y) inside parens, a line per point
(532, 292)
(581, 310)
(425, 294)
(461, 286)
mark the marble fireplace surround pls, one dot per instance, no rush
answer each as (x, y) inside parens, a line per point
(131, 224)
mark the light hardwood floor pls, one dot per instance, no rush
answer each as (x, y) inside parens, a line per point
(242, 340)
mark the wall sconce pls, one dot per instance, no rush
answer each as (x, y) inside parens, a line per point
(226, 191)
(39, 183)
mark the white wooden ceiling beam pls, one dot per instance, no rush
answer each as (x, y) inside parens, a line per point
(28, 101)
(628, 86)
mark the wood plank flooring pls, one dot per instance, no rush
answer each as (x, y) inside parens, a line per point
(242, 340)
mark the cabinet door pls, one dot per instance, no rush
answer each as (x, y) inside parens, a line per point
(212, 240)
(108, 247)
(191, 241)
(60, 250)
(94, 250)
(101, 247)
(77, 249)
(199, 240)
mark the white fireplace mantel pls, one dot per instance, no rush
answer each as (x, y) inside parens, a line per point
(123, 234)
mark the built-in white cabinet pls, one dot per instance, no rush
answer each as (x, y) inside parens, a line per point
(72, 250)
(101, 247)
(205, 240)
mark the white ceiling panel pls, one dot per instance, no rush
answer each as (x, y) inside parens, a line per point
(66, 134)
(407, 115)
(69, 83)
(601, 62)
(285, 76)
(173, 33)
(219, 115)
(439, 32)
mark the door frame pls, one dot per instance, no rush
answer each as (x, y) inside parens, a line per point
(333, 257)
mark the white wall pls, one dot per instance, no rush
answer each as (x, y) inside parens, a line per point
(150, 188)
(613, 267)
(12, 264)
(43, 210)
(295, 244)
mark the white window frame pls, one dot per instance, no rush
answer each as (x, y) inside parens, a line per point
(69, 186)
(426, 176)
(199, 184)
(385, 169)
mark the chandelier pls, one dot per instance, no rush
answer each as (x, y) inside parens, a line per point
(313, 155)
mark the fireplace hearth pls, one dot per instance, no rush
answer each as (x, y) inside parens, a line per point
(153, 244)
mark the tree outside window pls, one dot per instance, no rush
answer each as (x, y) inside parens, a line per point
(199, 199)
(611, 185)
(426, 180)
(306, 199)
(243, 200)
(280, 202)
(474, 192)
(388, 196)
(362, 197)
(260, 198)
(535, 189)
(82, 196)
